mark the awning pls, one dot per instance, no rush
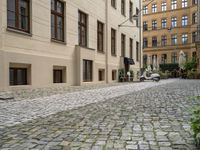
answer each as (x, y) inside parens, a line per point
(128, 61)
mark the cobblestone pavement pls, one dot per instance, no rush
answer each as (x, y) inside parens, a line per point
(15, 112)
(152, 118)
(32, 93)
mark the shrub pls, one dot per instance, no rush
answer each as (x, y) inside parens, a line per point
(168, 67)
(190, 65)
(132, 75)
(195, 122)
(193, 75)
(121, 74)
(163, 75)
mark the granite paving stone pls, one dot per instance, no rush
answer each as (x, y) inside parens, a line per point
(141, 116)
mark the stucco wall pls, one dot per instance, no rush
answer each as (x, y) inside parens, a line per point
(38, 50)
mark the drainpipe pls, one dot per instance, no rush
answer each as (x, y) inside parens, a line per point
(140, 35)
(198, 15)
(106, 38)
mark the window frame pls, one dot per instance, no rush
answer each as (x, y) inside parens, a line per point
(123, 7)
(131, 47)
(164, 23)
(123, 45)
(113, 4)
(164, 6)
(154, 24)
(164, 40)
(56, 14)
(100, 33)
(137, 51)
(154, 8)
(15, 76)
(174, 4)
(131, 11)
(113, 42)
(55, 71)
(184, 3)
(184, 38)
(174, 39)
(145, 42)
(173, 22)
(154, 41)
(17, 14)
(145, 10)
(184, 21)
(85, 26)
(87, 75)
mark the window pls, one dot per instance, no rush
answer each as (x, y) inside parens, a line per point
(154, 8)
(131, 47)
(123, 45)
(184, 3)
(145, 26)
(164, 23)
(164, 6)
(113, 42)
(130, 11)
(145, 60)
(174, 22)
(194, 54)
(87, 70)
(186, 56)
(184, 20)
(137, 13)
(113, 3)
(82, 28)
(101, 74)
(154, 24)
(59, 74)
(18, 14)
(114, 75)
(18, 76)
(164, 40)
(194, 37)
(163, 58)
(173, 4)
(123, 7)
(137, 51)
(194, 18)
(100, 36)
(194, 2)
(174, 39)
(145, 10)
(154, 41)
(57, 20)
(184, 39)
(145, 42)
(174, 57)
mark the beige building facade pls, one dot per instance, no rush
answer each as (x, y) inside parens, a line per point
(169, 26)
(52, 42)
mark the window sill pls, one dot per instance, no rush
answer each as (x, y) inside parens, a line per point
(101, 52)
(18, 31)
(87, 81)
(86, 47)
(114, 55)
(59, 42)
(114, 7)
(123, 15)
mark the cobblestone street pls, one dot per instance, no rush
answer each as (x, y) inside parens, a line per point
(145, 116)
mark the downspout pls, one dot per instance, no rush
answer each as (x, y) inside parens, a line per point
(140, 35)
(106, 38)
(198, 15)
